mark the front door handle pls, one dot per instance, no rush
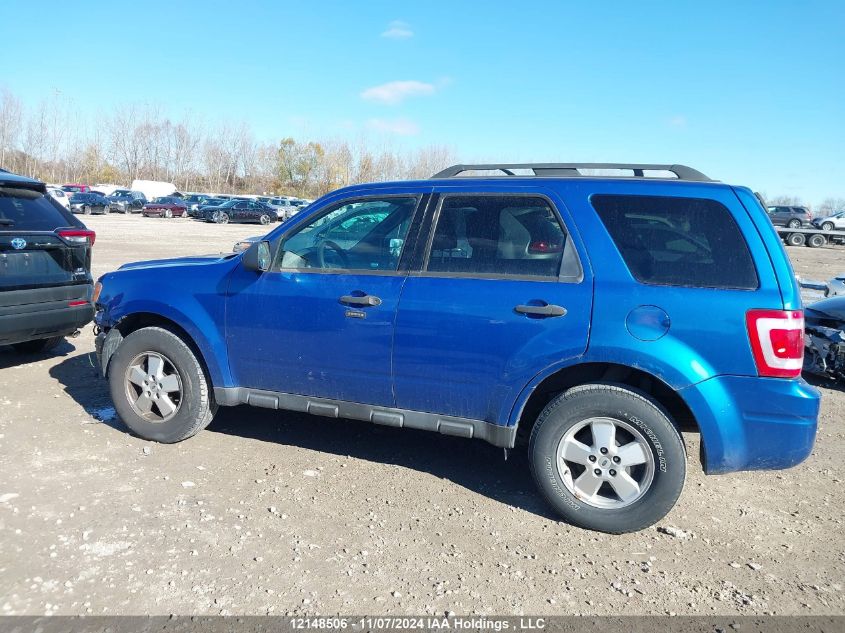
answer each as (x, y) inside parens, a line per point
(548, 310)
(364, 300)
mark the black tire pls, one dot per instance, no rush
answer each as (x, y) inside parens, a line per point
(620, 404)
(37, 346)
(816, 240)
(794, 224)
(168, 213)
(827, 226)
(86, 210)
(127, 210)
(796, 239)
(196, 406)
(222, 218)
(264, 219)
(106, 210)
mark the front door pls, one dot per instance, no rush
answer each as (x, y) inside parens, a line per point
(500, 295)
(320, 322)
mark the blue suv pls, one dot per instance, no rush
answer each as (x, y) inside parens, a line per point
(590, 311)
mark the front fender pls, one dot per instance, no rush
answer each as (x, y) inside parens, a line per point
(191, 297)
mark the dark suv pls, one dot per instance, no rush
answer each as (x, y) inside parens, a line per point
(589, 317)
(45, 267)
(793, 217)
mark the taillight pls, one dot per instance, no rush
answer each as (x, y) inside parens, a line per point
(78, 237)
(777, 341)
(542, 246)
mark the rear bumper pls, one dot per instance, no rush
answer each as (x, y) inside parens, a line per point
(750, 423)
(26, 315)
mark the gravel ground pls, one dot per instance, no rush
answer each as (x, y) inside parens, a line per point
(270, 512)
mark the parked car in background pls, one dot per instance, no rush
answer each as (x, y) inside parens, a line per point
(284, 208)
(73, 188)
(45, 267)
(831, 222)
(535, 310)
(198, 212)
(241, 211)
(59, 196)
(127, 201)
(793, 217)
(165, 207)
(88, 203)
(194, 200)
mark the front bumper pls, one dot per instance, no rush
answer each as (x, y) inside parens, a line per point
(751, 423)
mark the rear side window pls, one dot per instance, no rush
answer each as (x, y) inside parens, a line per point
(497, 235)
(692, 242)
(28, 210)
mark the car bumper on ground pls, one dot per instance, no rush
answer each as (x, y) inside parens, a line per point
(750, 423)
(20, 322)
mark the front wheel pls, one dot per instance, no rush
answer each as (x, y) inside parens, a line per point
(264, 219)
(607, 458)
(168, 213)
(86, 210)
(158, 386)
(222, 218)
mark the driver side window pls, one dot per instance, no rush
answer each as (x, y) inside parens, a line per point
(354, 235)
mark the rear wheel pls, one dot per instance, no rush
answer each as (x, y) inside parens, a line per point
(158, 386)
(817, 240)
(796, 239)
(127, 210)
(607, 458)
(37, 346)
(168, 213)
(827, 226)
(86, 210)
(264, 219)
(222, 218)
(794, 224)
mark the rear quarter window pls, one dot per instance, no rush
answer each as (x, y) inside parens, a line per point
(28, 210)
(692, 242)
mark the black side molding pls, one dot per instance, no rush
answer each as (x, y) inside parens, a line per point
(503, 436)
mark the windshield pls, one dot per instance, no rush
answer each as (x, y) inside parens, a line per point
(71, 188)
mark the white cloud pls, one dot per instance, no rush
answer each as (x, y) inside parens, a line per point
(677, 121)
(398, 30)
(400, 127)
(395, 92)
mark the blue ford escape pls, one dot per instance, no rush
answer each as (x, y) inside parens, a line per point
(591, 311)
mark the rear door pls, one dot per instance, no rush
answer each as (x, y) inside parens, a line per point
(500, 292)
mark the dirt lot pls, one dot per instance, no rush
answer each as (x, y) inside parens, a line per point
(268, 512)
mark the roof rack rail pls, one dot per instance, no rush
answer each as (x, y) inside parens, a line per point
(572, 170)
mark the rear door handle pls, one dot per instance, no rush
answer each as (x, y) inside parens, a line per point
(548, 310)
(366, 300)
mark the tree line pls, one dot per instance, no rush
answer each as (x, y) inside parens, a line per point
(54, 143)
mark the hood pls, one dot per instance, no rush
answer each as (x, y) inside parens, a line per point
(195, 260)
(826, 309)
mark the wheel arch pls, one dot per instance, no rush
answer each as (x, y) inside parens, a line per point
(529, 407)
(139, 320)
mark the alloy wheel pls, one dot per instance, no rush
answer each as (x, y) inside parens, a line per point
(606, 463)
(153, 387)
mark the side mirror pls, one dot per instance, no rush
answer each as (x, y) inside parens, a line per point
(257, 257)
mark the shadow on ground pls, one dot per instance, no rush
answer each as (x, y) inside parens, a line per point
(10, 358)
(473, 464)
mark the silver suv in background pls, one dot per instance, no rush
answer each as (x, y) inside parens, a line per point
(835, 221)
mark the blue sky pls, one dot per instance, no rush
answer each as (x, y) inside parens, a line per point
(748, 92)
